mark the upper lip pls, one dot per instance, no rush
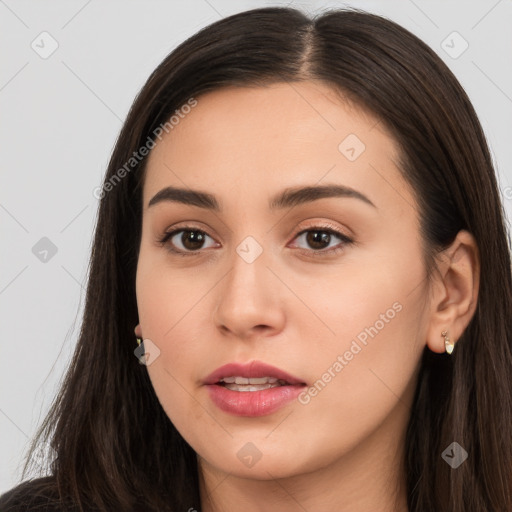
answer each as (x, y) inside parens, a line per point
(248, 370)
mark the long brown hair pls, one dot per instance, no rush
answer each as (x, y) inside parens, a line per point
(116, 448)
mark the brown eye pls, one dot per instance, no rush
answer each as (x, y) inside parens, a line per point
(185, 240)
(192, 240)
(320, 239)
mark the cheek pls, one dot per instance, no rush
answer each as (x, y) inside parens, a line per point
(364, 367)
(172, 316)
(166, 297)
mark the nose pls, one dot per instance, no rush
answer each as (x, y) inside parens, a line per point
(249, 301)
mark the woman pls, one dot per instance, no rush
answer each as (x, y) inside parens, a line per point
(268, 153)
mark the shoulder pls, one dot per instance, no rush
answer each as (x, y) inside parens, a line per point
(31, 495)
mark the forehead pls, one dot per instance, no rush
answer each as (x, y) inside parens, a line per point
(271, 137)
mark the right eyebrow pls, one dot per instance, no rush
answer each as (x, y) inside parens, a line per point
(186, 196)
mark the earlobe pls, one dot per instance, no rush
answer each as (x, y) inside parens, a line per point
(453, 303)
(138, 331)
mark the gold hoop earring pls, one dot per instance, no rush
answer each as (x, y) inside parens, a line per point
(448, 344)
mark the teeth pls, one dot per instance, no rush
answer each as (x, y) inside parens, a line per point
(251, 384)
(259, 387)
(252, 380)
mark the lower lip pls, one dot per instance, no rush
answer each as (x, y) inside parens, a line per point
(253, 403)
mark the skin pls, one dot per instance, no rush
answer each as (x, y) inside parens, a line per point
(289, 307)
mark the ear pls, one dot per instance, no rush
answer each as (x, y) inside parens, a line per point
(454, 291)
(138, 331)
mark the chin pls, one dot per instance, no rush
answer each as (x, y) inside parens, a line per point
(260, 460)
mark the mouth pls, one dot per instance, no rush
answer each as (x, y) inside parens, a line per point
(252, 389)
(256, 374)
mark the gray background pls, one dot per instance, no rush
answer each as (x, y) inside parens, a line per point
(60, 117)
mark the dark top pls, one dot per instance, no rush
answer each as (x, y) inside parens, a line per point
(34, 496)
(24, 497)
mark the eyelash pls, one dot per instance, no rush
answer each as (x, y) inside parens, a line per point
(345, 240)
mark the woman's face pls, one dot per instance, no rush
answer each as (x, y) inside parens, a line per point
(311, 263)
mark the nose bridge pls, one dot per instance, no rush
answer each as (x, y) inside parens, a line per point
(247, 298)
(246, 279)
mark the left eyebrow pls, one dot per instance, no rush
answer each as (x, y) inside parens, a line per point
(299, 195)
(285, 199)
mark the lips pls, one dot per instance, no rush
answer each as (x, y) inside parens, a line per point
(253, 389)
(253, 370)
